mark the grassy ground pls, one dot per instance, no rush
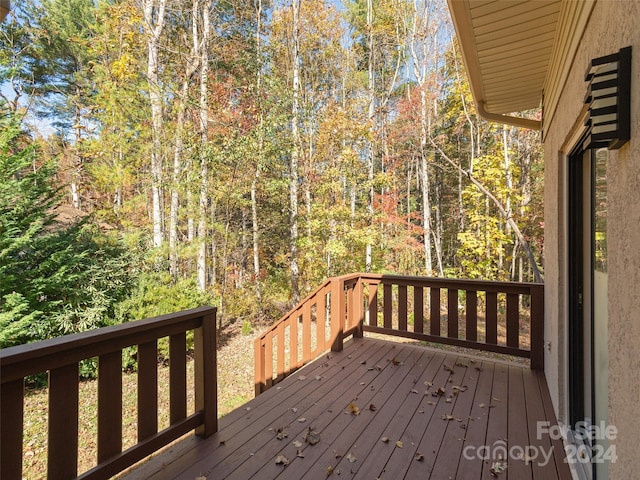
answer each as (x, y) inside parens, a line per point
(235, 387)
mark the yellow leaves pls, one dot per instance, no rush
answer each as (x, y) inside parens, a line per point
(354, 409)
(124, 68)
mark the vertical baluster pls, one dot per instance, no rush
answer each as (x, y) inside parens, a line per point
(177, 377)
(12, 417)
(147, 389)
(359, 307)
(280, 351)
(321, 318)
(513, 324)
(492, 318)
(434, 317)
(402, 307)
(418, 309)
(109, 405)
(337, 315)
(452, 312)
(306, 336)
(537, 327)
(387, 307)
(293, 343)
(206, 375)
(373, 304)
(259, 361)
(472, 315)
(268, 359)
(62, 462)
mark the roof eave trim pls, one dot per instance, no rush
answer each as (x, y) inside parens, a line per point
(508, 119)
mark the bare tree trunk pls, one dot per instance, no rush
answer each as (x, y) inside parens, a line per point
(154, 13)
(255, 229)
(370, 141)
(295, 155)
(204, 139)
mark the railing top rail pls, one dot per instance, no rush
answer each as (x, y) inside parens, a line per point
(31, 358)
(490, 285)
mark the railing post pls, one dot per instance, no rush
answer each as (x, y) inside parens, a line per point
(537, 327)
(206, 375)
(337, 314)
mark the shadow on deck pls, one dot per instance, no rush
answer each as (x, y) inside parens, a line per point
(382, 409)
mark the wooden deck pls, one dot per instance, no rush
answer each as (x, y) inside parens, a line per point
(376, 409)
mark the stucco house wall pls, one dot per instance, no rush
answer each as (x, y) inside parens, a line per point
(612, 25)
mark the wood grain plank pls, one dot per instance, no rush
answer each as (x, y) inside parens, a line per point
(517, 426)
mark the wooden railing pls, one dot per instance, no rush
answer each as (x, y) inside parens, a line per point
(501, 317)
(60, 358)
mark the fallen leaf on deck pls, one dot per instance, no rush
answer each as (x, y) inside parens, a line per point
(419, 457)
(311, 437)
(448, 400)
(222, 442)
(378, 367)
(351, 457)
(299, 454)
(431, 403)
(302, 419)
(384, 439)
(447, 417)
(447, 368)
(354, 409)
(282, 460)
(297, 444)
(399, 444)
(329, 471)
(281, 434)
(201, 478)
(413, 390)
(395, 362)
(294, 409)
(372, 407)
(302, 377)
(363, 362)
(440, 391)
(318, 377)
(428, 384)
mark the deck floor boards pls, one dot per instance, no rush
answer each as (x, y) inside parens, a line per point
(395, 387)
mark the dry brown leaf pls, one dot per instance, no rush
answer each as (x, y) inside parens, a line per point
(447, 417)
(299, 454)
(297, 444)
(329, 471)
(384, 439)
(302, 377)
(302, 419)
(372, 407)
(354, 409)
(419, 457)
(311, 437)
(282, 460)
(351, 457)
(428, 384)
(413, 390)
(395, 361)
(318, 377)
(399, 444)
(201, 478)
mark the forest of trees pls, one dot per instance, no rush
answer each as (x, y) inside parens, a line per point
(158, 155)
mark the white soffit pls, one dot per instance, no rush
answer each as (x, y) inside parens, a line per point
(507, 47)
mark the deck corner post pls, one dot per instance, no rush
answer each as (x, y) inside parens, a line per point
(537, 327)
(206, 374)
(337, 314)
(11, 414)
